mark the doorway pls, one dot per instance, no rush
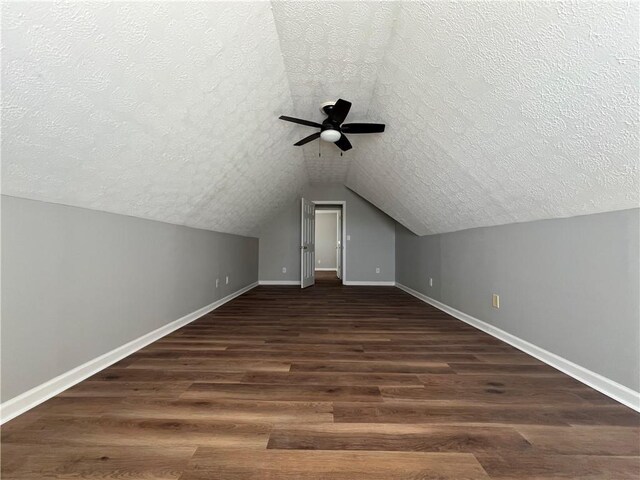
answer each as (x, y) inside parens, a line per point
(323, 249)
(328, 241)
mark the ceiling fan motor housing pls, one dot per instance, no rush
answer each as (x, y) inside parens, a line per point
(330, 130)
(326, 107)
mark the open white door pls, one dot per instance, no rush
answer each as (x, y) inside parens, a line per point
(307, 244)
(339, 245)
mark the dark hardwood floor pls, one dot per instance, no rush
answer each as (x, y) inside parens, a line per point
(331, 382)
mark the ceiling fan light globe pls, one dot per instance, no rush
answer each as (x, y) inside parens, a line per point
(330, 135)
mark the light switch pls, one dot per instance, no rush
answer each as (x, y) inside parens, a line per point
(496, 300)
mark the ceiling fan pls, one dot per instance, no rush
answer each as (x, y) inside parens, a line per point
(332, 129)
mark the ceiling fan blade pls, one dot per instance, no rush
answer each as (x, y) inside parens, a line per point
(340, 111)
(343, 143)
(300, 121)
(308, 139)
(362, 128)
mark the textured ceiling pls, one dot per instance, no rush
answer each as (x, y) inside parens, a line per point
(332, 50)
(158, 110)
(503, 112)
(496, 112)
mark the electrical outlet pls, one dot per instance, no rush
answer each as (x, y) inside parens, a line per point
(348, 237)
(430, 282)
(284, 269)
(496, 300)
(217, 282)
(226, 280)
(377, 269)
(319, 261)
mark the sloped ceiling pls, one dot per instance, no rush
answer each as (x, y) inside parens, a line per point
(158, 110)
(504, 112)
(496, 112)
(332, 50)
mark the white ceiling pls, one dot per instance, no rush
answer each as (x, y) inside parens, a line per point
(503, 112)
(159, 110)
(332, 50)
(496, 112)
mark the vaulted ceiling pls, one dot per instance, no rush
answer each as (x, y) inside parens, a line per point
(496, 112)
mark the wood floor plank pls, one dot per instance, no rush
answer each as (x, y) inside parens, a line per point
(166, 375)
(93, 406)
(214, 365)
(36, 462)
(425, 413)
(504, 369)
(228, 410)
(398, 437)
(269, 392)
(473, 348)
(463, 411)
(477, 396)
(372, 367)
(298, 348)
(122, 431)
(326, 383)
(498, 380)
(584, 440)
(335, 465)
(560, 467)
(260, 355)
(108, 388)
(332, 378)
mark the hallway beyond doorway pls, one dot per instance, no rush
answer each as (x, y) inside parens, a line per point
(329, 236)
(329, 277)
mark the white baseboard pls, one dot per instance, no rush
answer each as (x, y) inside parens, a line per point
(31, 398)
(610, 388)
(326, 269)
(346, 282)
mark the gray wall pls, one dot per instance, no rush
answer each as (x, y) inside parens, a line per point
(372, 241)
(78, 283)
(326, 240)
(280, 245)
(567, 285)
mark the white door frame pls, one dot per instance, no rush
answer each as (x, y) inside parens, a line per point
(338, 256)
(343, 204)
